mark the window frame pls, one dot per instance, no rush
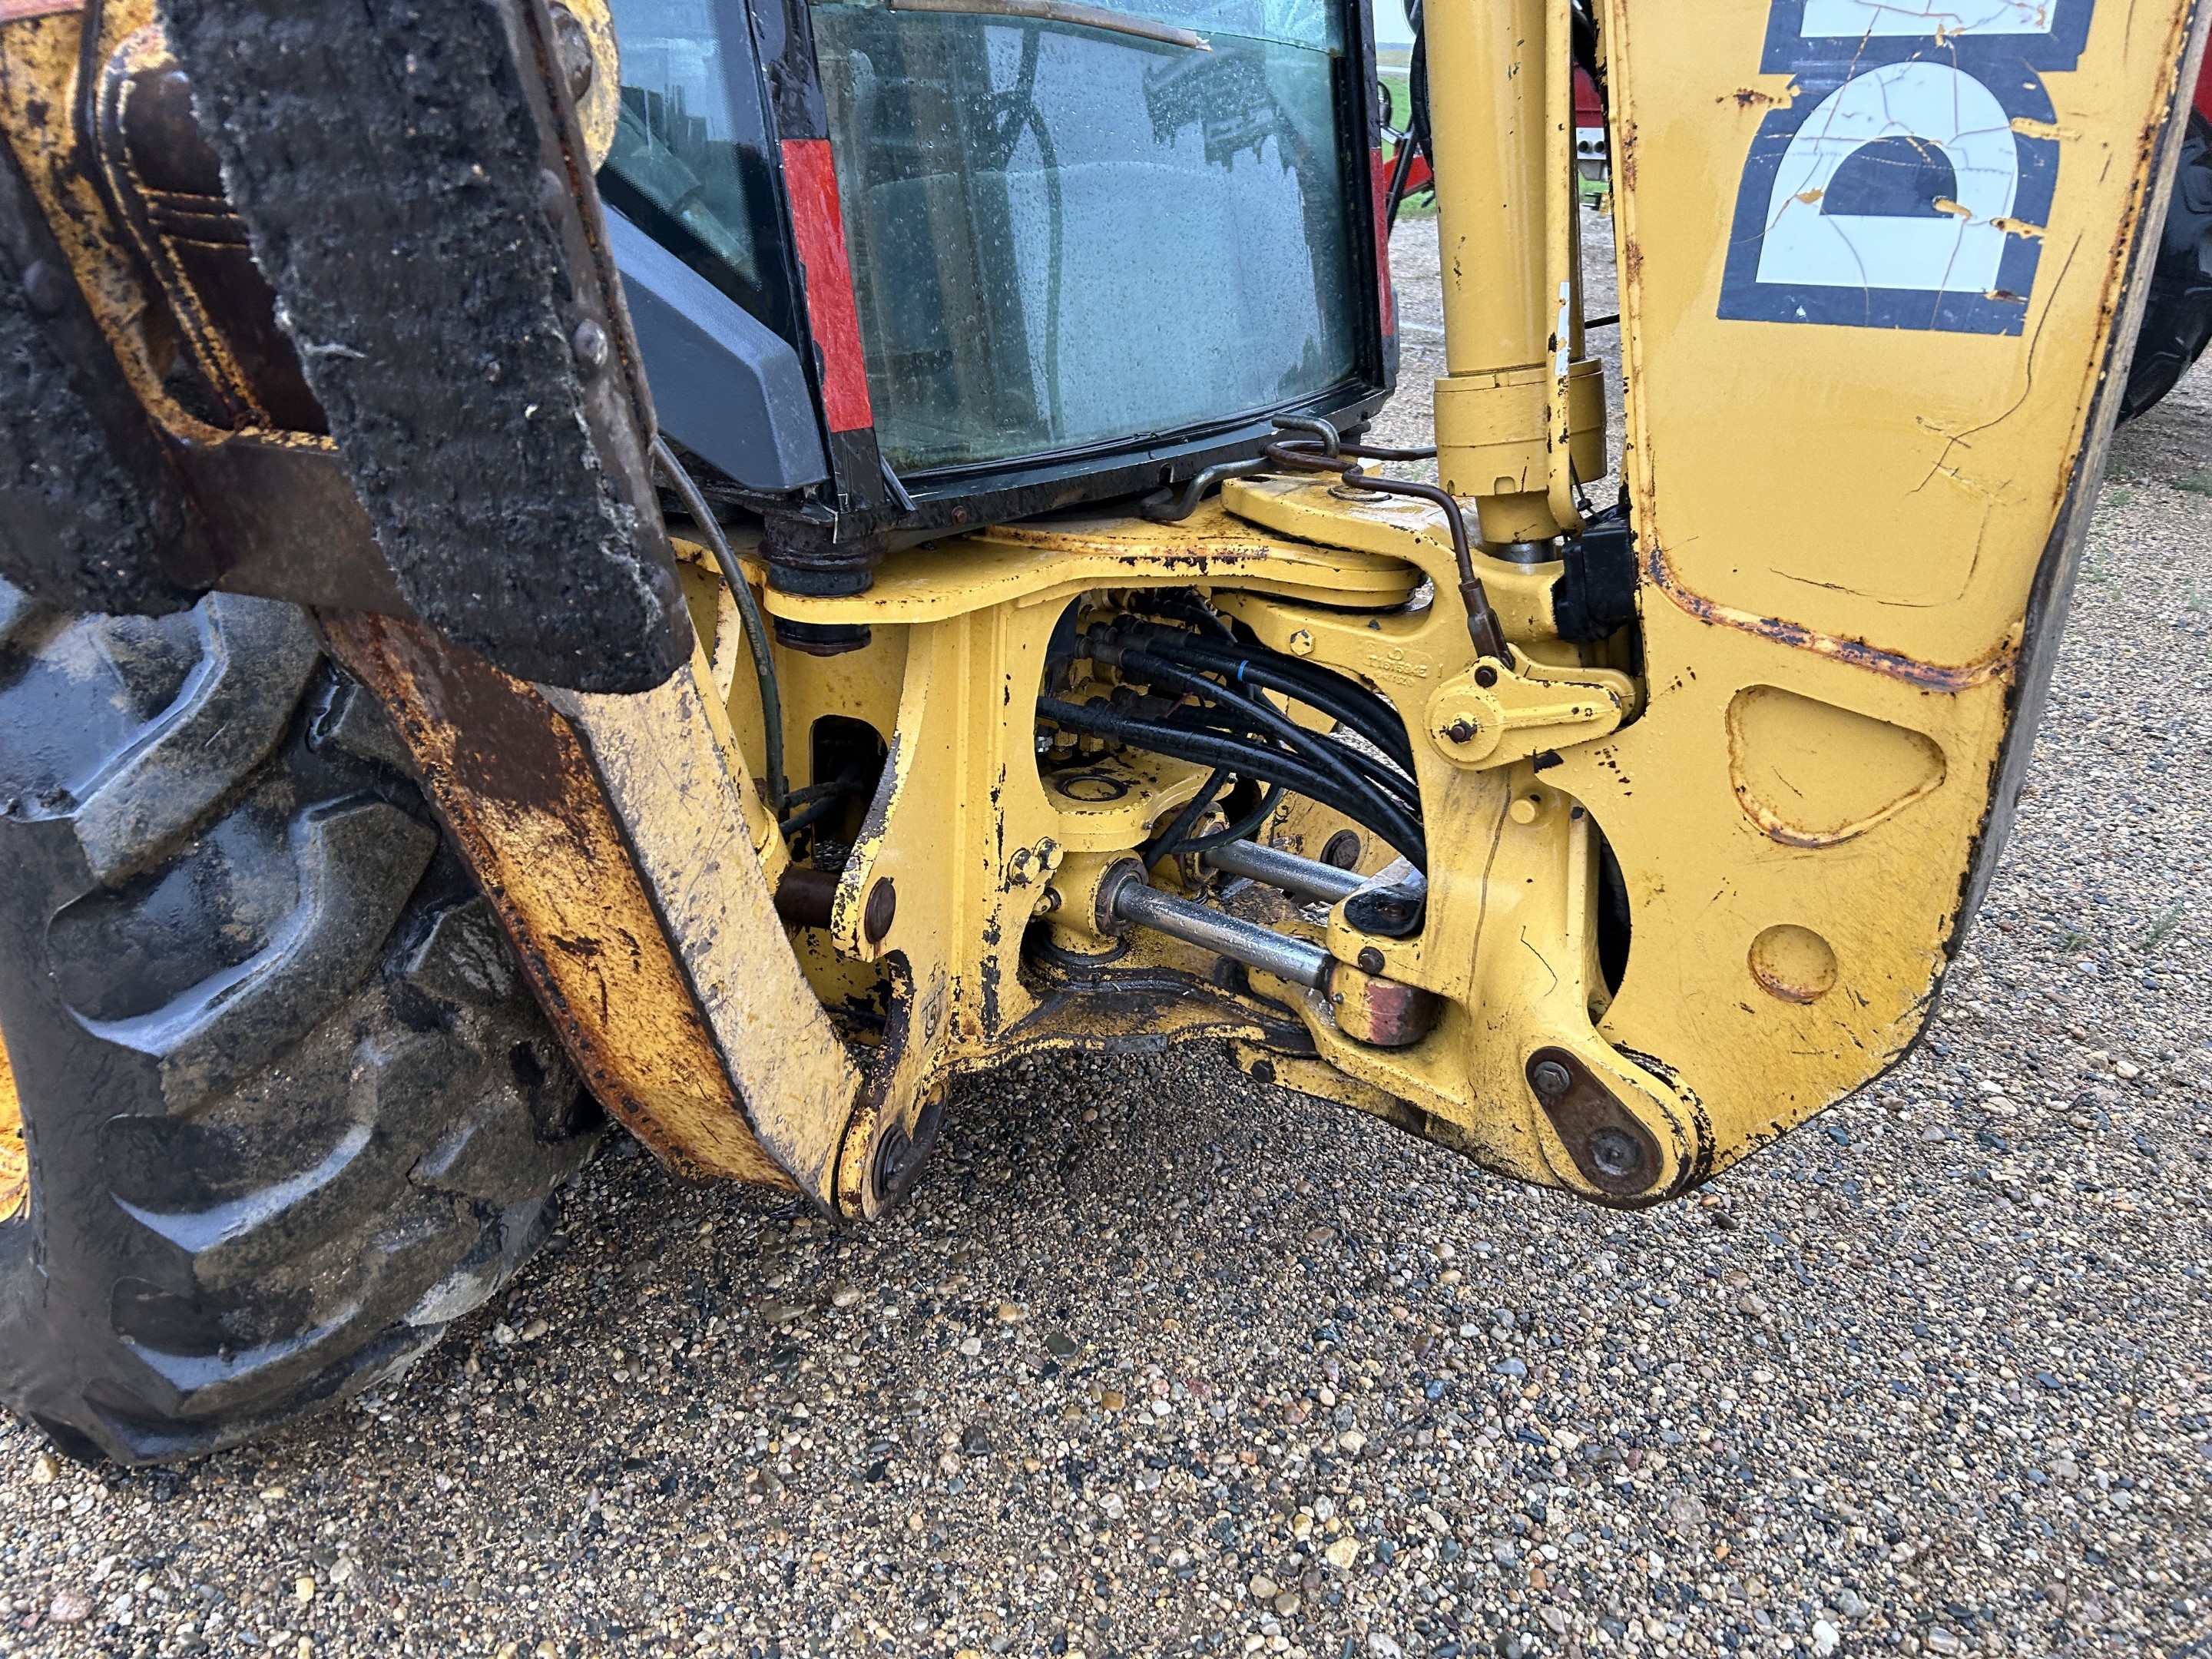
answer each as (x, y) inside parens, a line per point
(861, 502)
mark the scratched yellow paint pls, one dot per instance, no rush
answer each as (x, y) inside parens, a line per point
(1893, 486)
(14, 1160)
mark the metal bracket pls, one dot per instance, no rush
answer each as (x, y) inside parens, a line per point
(1495, 713)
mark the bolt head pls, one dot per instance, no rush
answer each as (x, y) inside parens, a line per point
(1550, 1078)
(1462, 731)
(575, 47)
(1485, 675)
(589, 343)
(1302, 642)
(1371, 960)
(1617, 1153)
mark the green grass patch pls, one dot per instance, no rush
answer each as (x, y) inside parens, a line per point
(2161, 929)
(1400, 88)
(1423, 203)
(2196, 484)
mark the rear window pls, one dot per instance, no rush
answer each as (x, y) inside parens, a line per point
(1065, 236)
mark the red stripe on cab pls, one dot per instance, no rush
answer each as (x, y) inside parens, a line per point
(818, 222)
(1380, 167)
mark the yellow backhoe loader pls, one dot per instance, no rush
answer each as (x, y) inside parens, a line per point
(718, 564)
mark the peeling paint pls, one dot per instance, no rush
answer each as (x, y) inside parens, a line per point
(1752, 98)
(1996, 665)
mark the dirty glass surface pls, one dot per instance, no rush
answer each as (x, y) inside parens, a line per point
(1064, 236)
(687, 163)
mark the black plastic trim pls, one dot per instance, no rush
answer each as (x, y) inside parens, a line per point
(725, 385)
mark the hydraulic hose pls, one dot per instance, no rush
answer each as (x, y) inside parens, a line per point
(1482, 629)
(1169, 840)
(1391, 768)
(756, 643)
(1245, 759)
(1322, 750)
(1332, 695)
(1269, 799)
(1158, 670)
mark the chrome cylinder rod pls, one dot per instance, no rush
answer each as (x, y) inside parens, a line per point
(1306, 878)
(1293, 959)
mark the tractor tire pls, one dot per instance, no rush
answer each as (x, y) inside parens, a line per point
(289, 1105)
(2177, 317)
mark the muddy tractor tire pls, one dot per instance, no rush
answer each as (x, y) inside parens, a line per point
(288, 1106)
(2177, 317)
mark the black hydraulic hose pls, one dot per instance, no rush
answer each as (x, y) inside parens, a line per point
(1261, 766)
(1376, 770)
(1338, 692)
(818, 800)
(1203, 749)
(1482, 628)
(1238, 830)
(1349, 705)
(1221, 717)
(1417, 139)
(1401, 172)
(1208, 624)
(748, 611)
(1383, 769)
(1150, 668)
(1332, 694)
(1306, 746)
(807, 817)
(1170, 839)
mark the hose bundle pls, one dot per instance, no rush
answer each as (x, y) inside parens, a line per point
(1205, 702)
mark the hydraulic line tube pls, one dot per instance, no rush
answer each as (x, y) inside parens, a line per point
(1256, 946)
(1381, 1012)
(1306, 878)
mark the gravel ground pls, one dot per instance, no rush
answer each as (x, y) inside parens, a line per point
(1159, 1362)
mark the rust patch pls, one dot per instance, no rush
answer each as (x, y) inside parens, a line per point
(1752, 98)
(1934, 677)
(1382, 1013)
(1614, 1152)
(510, 780)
